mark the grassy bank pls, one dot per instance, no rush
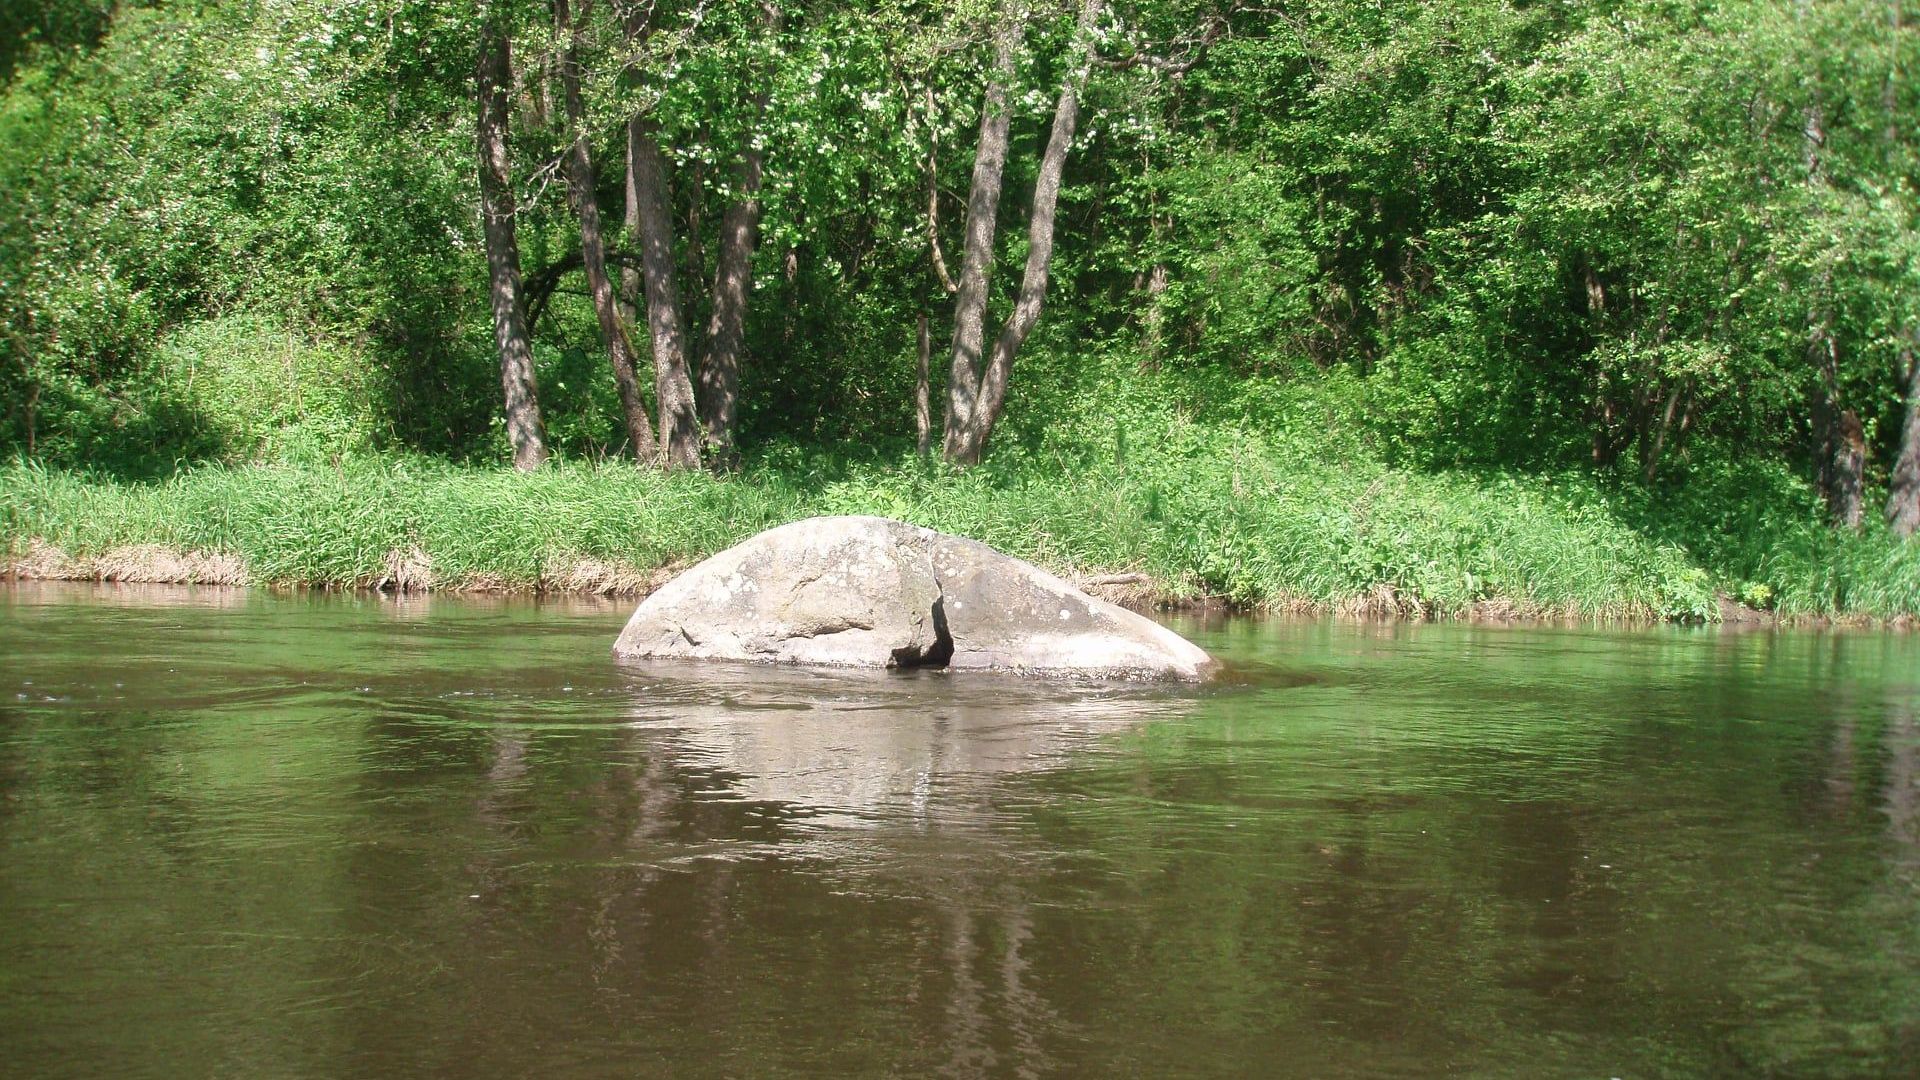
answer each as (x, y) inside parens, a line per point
(1214, 513)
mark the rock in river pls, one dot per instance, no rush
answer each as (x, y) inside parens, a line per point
(871, 592)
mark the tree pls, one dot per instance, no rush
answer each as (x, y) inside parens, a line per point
(582, 189)
(1903, 486)
(672, 385)
(992, 394)
(1842, 446)
(732, 281)
(492, 76)
(1903, 482)
(976, 395)
(976, 260)
(727, 325)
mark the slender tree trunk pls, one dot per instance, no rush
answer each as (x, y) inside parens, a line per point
(933, 201)
(593, 251)
(652, 230)
(1890, 93)
(33, 423)
(678, 428)
(1650, 466)
(1040, 227)
(492, 75)
(1838, 466)
(732, 280)
(922, 392)
(693, 266)
(1835, 463)
(727, 327)
(1849, 471)
(1154, 321)
(1903, 487)
(1903, 484)
(923, 376)
(983, 210)
(1824, 412)
(637, 25)
(630, 284)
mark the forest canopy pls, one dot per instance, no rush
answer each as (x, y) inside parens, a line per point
(1665, 245)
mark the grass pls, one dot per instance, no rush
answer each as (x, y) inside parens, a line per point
(1200, 512)
(1265, 492)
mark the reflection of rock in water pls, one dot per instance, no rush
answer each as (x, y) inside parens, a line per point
(858, 747)
(899, 783)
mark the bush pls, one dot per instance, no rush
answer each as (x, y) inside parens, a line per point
(260, 392)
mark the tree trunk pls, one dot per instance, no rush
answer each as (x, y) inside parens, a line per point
(1849, 471)
(933, 201)
(1650, 461)
(1154, 321)
(983, 211)
(630, 285)
(727, 327)
(1890, 93)
(1033, 284)
(672, 384)
(593, 250)
(732, 279)
(693, 264)
(652, 232)
(503, 252)
(922, 392)
(1823, 353)
(33, 423)
(1903, 487)
(1903, 484)
(1833, 452)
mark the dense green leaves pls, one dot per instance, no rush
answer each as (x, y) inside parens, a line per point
(1523, 235)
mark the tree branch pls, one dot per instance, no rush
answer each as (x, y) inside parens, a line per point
(933, 227)
(541, 284)
(1216, 28)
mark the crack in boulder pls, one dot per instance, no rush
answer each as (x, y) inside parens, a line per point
(936, 655)
(872, 592)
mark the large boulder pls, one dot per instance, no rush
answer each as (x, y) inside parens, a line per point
(872, 592)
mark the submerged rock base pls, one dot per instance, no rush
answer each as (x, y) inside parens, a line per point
(874, 592)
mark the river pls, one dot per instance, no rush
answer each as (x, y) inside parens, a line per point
(267, 836)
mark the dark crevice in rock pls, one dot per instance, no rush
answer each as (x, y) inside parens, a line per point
(935, 655)
(941, 650)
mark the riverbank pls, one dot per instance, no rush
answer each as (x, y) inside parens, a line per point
(1233, 524)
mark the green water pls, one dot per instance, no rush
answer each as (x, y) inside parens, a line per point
(251, 836)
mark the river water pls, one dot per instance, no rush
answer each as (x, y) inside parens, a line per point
(260, 836)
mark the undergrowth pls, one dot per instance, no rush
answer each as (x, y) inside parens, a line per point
(1216, 510)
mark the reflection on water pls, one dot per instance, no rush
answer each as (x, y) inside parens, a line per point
(878, 749)
(327, 836)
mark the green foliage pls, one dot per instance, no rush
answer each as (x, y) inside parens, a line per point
(1763, 535)
(261, 393)
(1219, 509)
(1415, 306)
(206, 161)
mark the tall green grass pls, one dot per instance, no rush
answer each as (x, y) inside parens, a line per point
(1229, 518)
(343, 525)
(1257, 499)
